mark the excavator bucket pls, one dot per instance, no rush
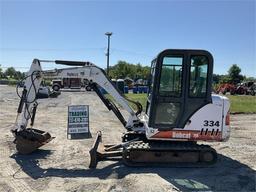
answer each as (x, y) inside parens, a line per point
(29, 140)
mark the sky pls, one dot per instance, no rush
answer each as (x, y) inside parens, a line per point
(75, 30)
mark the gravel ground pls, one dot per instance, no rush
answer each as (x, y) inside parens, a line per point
(62, 164)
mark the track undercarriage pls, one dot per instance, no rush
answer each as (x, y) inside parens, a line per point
(142, 152)
(135, 150)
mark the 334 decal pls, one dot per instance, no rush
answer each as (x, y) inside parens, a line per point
(211, 123)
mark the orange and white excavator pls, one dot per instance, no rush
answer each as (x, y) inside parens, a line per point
(181, 110)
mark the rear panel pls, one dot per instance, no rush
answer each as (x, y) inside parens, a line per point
(209, 123)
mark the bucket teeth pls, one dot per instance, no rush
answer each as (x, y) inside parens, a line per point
(29, 140)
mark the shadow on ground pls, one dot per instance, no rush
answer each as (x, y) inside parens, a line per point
(227, 175)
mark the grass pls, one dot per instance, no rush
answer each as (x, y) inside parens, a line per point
(239, 103)
(141, 98)
(242, 103)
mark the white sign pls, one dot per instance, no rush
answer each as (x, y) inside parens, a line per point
(78, 119)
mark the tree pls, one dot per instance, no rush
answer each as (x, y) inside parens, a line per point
(225, 79)
(19, 75)
(250, 79)
(123, 69)
(234, 74)
(1, 72)
(10, 72)
(216, 78)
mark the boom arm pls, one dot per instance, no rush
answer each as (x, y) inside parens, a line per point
(86, 70)
(28, 103)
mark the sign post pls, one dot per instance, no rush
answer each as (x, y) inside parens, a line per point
(78, 122)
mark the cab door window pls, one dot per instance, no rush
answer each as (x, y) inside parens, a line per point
(151, 85)
(171, 76)
(198, 76)
(167, 113)
(170, 89)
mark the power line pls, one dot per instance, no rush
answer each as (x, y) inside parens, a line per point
(5, 67)
(14, 67)
(52, 49)
(132, 52)
(73, 49)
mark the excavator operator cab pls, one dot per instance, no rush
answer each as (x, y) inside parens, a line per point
(180, 85)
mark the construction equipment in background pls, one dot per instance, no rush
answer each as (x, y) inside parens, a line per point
(245, 88)
(180, 111)
(70, 81)
(250, 88)
(226, 88)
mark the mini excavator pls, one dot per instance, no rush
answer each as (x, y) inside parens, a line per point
(180, 111)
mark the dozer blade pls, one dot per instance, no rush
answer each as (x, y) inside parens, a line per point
(29, 140)
(100, 152)
(93, 152)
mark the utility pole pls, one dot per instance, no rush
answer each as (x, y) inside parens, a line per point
(108, 34)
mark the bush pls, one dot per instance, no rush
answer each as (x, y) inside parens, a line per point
(13, 82)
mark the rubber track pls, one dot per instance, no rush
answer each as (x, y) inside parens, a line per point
(163, 146)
